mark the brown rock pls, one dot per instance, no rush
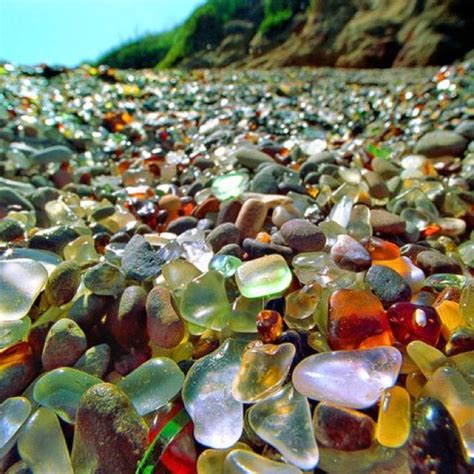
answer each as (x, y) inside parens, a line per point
(109, 435)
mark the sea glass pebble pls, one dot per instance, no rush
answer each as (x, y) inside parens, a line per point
(21, 281)
(284, 421)
(354, 379)
(229, 185)
(263, 370)
(393, 424)
(204, 301)
(42, 444)
(13, 413)
(152, 384)
(263, 276)
(217, 416)
(14, 331)
(240, 461)
(61, 389)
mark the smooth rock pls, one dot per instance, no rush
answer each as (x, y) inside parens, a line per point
(252, 158)
(95, 360)
(354, 379)
(251, 218)
(140, 261)
(385, 222)
(441, 143)
(109, 437)
(10, 230)
(53, 239)
(182, 224)
(53, 154)
(303, 236)
(387, 285)
(432, 262)
(63, 283)
(64, 344)
(88, 309)
(350, 255)
(127, 320)
(104, 279)
(224, 234)
(164, 326)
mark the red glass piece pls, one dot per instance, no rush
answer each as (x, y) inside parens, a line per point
(412, 322)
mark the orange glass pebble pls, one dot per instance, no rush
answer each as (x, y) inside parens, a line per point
(380, 249)
(263, 237)
(450, 315)
(269, 325)
(356, 316)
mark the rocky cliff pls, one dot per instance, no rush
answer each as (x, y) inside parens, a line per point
(342, 33)
(377, 33)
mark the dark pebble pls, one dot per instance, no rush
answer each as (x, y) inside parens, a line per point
(431, 262)
(387, 285)
(303, 236)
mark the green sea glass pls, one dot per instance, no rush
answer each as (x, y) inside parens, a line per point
(263, 276)
(204, 301)
(14, 331)
(229, 186)
(42, 445)
(153, 384)
(61, 389)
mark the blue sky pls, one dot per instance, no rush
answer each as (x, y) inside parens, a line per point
(70, 31)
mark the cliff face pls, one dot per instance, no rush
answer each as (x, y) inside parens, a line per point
(343, 33)
(369, 33)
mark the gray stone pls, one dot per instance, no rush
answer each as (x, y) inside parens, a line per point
(53, 239)
(466, 129)
(385, 222)
(182, 224)
(10, 230)
(431, 262)
(64, 344)
(303, 236)
(387, 285)
(140, 261)
(222, 235)
(252, 158)
(95, 360)
(53, 154)
(104, 279)
(441, 143)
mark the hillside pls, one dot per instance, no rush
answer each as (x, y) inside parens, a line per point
(275, 33)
